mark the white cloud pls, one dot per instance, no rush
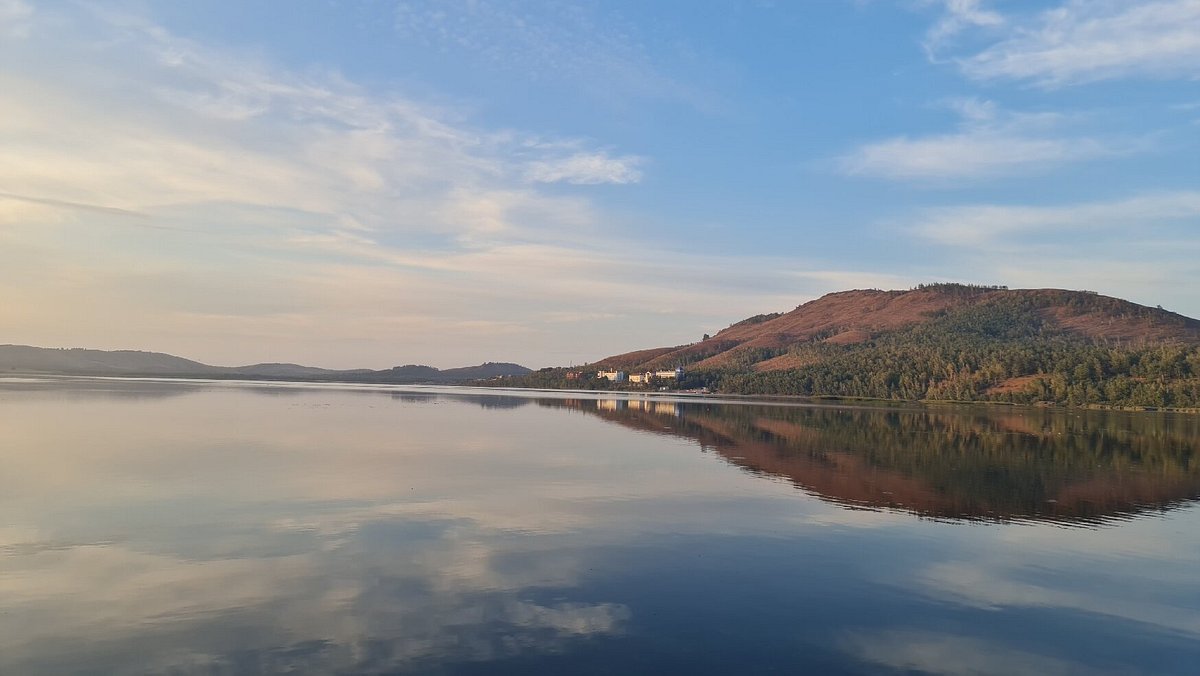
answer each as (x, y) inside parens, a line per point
(984, 225)
(959, 16)
(989, 142)
(964, 155)
(1080, 42)
(587, 169)
(1137, 247)
(219, 128)
(233, 210)
(215, 189)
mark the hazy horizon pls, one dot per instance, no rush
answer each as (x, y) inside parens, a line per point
(363, 185)
(246, 363)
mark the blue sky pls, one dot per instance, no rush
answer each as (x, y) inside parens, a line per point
(372, 183)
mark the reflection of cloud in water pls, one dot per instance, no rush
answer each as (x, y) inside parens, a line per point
(1032, 569)
(933, 653)
(453, 593)
(371, 532)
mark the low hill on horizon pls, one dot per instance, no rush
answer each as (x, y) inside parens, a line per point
(942, 342)
(25, 359)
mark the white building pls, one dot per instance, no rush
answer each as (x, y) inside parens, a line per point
(641, 378)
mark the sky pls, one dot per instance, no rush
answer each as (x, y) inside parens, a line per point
(367, 184)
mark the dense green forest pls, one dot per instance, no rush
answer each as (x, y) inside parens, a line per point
(1003, 350)
(1058, 371)
(972, 353)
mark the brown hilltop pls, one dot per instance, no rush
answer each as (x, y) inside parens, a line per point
(852, 317)
(639, 356)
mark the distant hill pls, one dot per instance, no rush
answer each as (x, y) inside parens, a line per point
(25, 359)
(944, 342)
(428, 374)
(286, 371)
(484, 371)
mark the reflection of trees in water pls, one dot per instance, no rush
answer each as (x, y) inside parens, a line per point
(493, 402)
(948, 463)
(414, 397)
(484, 401)
(130, 389)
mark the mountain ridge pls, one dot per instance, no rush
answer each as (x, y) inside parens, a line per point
(27, 359)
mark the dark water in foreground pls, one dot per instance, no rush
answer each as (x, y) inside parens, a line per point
(246, 529)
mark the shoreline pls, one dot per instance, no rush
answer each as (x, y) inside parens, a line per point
(712, 397)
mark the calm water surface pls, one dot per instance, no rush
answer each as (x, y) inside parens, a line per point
(220, 528)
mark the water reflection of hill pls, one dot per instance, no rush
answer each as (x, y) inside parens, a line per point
(1079, 467)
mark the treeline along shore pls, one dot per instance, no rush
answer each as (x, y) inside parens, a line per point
(940, 342)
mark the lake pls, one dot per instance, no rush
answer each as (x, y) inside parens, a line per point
(238, 528)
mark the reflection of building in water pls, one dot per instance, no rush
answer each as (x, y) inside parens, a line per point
(645, 405)
(655, 407)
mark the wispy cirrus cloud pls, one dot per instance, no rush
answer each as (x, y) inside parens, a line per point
(959, 16)
(986, 225)
(222, 195)
(590, 48)
(988, 142)
(214, 127)
(1080, 42)
(226, 207)
(587, 169)
(1137, 247)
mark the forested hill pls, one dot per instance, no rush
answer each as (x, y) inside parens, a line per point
(950, 342)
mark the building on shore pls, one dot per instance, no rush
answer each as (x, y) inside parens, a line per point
(644, 378)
